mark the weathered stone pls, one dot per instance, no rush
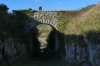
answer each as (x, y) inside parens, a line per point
(0, 50)
(78, 54)
(20, 48)
(12, 50)
(9, 47)
(70, 52)
(94, 52)
(81, 54)
(47, 17)
(85, 64)
(75, 54)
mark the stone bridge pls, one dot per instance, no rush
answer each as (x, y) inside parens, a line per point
(45, 17)
(42, 17)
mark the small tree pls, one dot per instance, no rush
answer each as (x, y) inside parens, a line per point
(3, 7)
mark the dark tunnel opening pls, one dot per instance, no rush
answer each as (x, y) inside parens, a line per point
(43, 51)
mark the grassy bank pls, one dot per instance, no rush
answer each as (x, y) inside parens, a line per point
(79, 22)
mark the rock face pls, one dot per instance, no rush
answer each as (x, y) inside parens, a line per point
(75, 54)
(88, 56)
(94, 53)
(11, 50)
(1, 45)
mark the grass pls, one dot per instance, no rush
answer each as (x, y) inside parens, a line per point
(84, 21)
(90, 21)
(44, 30)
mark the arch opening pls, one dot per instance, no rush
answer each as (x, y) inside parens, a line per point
(44, 41)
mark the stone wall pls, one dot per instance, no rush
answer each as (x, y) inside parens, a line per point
(88, 56)
(11, 50)
(44, 17)
(40, 17)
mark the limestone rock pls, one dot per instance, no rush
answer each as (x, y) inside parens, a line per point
(81, 54)
(70, 52)
(78, 54)
(1, 45)
(94, 52)
(9, 47)
(85, 64)
(12, 50)
(20, 49)
(75, 54)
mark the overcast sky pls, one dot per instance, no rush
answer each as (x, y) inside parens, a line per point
(48, 4)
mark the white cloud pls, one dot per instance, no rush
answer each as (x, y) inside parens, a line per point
(59, 3)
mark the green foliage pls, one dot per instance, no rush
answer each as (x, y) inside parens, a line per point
(62, 22)
(5, 19)
(22, 16)
(3, 7)
(13, 24)
(29, 13)
(7, 25)
(61, 25)
(61, 13)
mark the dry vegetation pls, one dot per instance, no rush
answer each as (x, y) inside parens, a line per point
(83, 20)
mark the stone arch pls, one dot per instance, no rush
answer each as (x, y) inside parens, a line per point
(55, 37)
(52, 28)
(45, 17)
(41, 17)
(34, 23)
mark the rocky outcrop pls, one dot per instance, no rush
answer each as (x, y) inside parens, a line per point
(87, 56)
(75, 54)
(1, 45)
(11, 50)
(94, 52)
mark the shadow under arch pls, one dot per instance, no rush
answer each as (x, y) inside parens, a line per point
(49, 51)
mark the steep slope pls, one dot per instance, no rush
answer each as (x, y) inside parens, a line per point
(84, 22)
(82, 37)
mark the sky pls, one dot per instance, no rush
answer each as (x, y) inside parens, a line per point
(47, 4)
